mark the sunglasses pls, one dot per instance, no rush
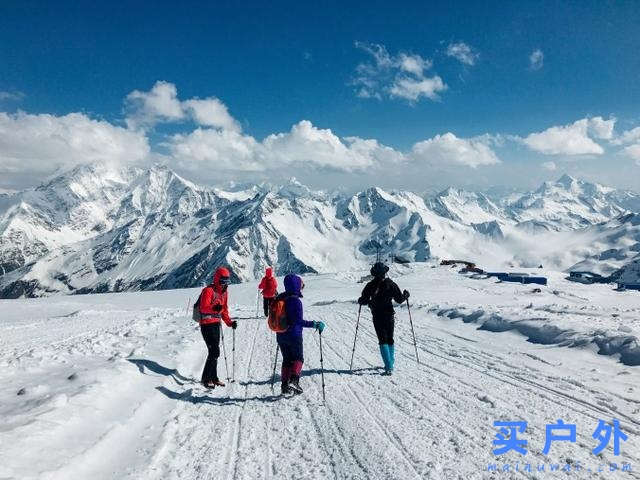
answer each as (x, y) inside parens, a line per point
(225, 280)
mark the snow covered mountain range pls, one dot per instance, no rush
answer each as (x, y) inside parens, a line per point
(99, 229)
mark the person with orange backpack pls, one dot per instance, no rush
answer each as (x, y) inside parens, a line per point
(213, 307)
(269, 287)
(290, 340)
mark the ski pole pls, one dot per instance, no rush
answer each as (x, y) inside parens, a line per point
(413, 332)
(224, 351)
(188, 303)
(233, 356)
(275, 364)
(257, 303)
(324, 400)
(354, 338)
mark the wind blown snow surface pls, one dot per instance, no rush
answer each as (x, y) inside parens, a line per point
(105, 386)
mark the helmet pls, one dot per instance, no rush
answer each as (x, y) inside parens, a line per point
(379, 269)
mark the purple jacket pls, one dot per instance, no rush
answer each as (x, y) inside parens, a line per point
(292, 295)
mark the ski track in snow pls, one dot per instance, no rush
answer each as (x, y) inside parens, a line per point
(111, 391)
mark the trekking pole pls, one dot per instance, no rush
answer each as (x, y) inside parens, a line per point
(275, 363)
(413, 332)
(324, 400)
(233, 356)
(257, 304)
(188, 303)
(354, 338)
(224, 351)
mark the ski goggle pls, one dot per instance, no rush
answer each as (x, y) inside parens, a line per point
(225, 280)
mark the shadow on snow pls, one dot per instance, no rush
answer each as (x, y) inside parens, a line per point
(145, 366)
(155, 367)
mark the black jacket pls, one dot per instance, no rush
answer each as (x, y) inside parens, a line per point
(378, 294)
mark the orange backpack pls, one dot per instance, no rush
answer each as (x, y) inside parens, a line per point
(277, 319)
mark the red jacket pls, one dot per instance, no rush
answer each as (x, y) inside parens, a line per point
(213, 301)
(268, 284)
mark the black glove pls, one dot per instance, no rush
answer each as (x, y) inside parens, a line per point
(405, 294)
(362, 301)
(234, 324)
(217, 307)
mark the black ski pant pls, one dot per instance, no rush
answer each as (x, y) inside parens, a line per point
(211, 335)
(384, 328)
(266, 303)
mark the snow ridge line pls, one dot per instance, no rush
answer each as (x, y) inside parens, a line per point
(609, 343)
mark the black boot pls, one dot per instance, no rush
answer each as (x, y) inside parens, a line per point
(294, 384)
(285, 388)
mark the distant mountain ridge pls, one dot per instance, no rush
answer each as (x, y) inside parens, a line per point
(98, 229)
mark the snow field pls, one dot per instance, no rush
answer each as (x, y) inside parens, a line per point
(110, 386)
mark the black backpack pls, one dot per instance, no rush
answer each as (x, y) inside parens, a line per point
(196, 315)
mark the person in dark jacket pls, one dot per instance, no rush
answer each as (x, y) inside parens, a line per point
(378, 294)
(269, 287)
(214, 309)
(290, 341)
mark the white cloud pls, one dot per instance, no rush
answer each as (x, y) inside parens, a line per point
(395, 76)
(413, 64)
(211, 112)
(307, 147)
(161, 104)
(412, 89)
(628, 136)
(462, 52)
(377, 153)
(633, 152)
(551, 166)
(304, 146)
(218, 150)
(570, 139)
(11, 96)
(450, 150)
(601, 128)
(39, 144)
(536, 60)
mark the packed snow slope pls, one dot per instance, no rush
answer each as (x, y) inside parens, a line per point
(102, 229)
(105, 386)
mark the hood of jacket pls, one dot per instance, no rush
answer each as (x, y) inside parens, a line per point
(293, 285)
(220, 272)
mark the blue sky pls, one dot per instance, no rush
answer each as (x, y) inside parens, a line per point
(505, 70)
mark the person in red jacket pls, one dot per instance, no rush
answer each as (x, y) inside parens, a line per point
(269, 287)
(213, 308)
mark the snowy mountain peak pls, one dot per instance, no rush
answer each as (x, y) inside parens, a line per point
(101, 228)
(464, 206)
(567, 181)
(293, 188)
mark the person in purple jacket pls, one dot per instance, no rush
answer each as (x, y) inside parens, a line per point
(290, 341)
